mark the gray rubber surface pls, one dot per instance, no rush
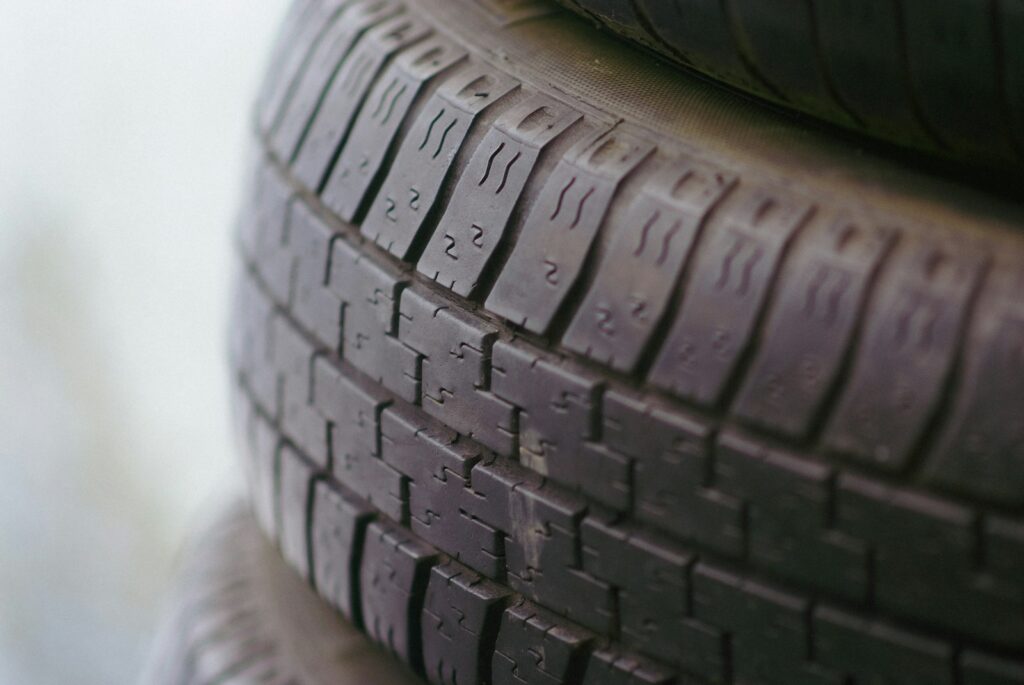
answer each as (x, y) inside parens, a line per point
(241, 616)
(941, 75)
(553, 367)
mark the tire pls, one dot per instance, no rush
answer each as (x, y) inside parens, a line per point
(242, 617)
(705, 397)
(900, 70)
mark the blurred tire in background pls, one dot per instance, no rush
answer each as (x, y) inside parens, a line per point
(239, 615)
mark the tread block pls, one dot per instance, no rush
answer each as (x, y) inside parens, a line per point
(252, 344)
(810, 326)
(643, 262)
(354, 416)
(325, 62)
(534, 646)
(265, 194)
(291, 356)
(261, 471)
(541, 563)
(769, 630)
(909, 532)
(337, 531)
(905, 354)
(376, 126)
(610, 667)
(369, 293)
(243, 326)
(788, 504)
(557, 410)
(413, 185)
(260, 376)
(541, 542)
(311, 303)
(494, 482)
(733, 273)
(874, 652)
(296, 18)
(671, 459)
(651, 579)
(273, 261)
(243, 418)
(346, 94)
(605, 477)
(461, 615)
(489, 189)
(981, 452)
(456, 350)
(393, 579)
(300, 421)
(295, 492)
(437, 464)
(548, 256)
(294, 53)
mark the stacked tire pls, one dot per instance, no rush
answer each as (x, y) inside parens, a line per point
(556, 363)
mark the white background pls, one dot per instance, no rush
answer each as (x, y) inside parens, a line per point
(122, 127)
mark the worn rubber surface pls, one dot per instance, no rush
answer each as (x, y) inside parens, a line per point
(941, 75)
(241, 617)
(552, 368)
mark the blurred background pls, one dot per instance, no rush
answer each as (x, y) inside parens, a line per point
(122, 129)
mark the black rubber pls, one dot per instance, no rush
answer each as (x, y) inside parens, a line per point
(241, 616)
(552, 367)
(941, 75)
